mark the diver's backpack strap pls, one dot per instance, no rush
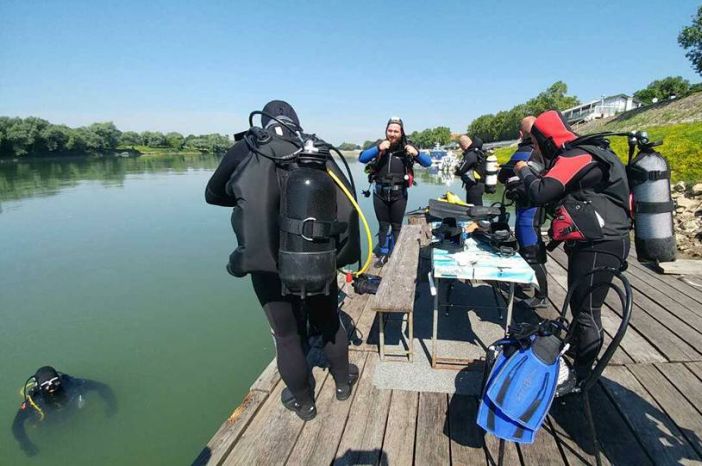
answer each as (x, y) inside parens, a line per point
(311, 229)
(654, 207)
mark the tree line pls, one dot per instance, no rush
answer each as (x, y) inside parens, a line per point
(32, 136)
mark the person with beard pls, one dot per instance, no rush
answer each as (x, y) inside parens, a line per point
(472, 168)
(588, 186)
(289, 315)
(529, 217)
(49, 394)
(392, 159)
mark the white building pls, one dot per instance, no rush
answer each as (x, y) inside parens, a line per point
(601, 108)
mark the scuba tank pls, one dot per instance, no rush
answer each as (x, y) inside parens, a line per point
(652, 205)
(491, 173)
(308, 225)
(266, 196)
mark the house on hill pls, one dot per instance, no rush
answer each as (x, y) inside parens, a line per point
(601, 108)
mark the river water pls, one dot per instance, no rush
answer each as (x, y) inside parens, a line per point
(113, 270)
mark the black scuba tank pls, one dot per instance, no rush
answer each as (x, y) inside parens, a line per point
(649, 180)
(308, 225)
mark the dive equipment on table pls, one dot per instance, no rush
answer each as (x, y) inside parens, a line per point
(450, 205)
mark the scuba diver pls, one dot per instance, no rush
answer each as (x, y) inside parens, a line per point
(390, 165)
(284, 215)
(529, 217)
(588, 186)
(472, 168)
(50, 394)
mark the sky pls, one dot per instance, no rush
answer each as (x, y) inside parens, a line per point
(346, 67)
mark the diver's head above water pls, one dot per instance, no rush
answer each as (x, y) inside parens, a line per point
(48, 381)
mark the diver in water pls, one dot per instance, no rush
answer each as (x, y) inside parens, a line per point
(390, 163)
(49, 394)
(247, 180)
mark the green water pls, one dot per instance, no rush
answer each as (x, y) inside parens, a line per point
(113, 270)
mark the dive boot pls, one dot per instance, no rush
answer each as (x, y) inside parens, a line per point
(536, 303)
(382, 260)
(305, 411)
(343, 391)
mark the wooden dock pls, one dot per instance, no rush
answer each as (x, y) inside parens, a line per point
(647, 407)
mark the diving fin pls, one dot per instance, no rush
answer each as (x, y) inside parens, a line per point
(492, 420)
(525, 386)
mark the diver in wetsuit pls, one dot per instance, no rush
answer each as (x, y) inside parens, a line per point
(588, 185)
(472, 168)
(288, 315)
(48, 394)
(529, 217)
(392, 160)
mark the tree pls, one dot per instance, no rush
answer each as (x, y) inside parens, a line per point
(663, 89)
(348, 146)
(690, 39)
(367, 145)
(175, 140)
(130, 138)
(153, 139)
(107, 135)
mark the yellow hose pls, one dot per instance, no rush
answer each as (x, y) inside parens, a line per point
(363, 219)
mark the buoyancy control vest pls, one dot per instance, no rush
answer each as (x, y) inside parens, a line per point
(392, 168)
(596, 213)
(269, 185)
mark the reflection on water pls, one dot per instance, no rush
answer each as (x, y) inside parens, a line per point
(38, 177)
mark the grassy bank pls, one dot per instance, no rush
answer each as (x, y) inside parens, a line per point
(682, 146)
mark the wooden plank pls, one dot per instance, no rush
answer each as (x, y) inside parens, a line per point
(229, 432)
(616, 438)
(544, 450)
(398, 444)
(685, 381)
(657, 433)
(319, 439)
(685, 416)
(695, 368)
(397, 289)
(432, 443)
(681, 267)
(362, 440)
(568, 422)
(492, 449)
(272, 433)
(467, 446)
(679, 305)
(267, 380)
(634, 347)
(668, 343)
(669, 280)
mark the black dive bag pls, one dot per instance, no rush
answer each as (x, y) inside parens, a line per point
(290, 218)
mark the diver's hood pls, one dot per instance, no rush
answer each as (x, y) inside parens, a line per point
(396, 121)
(281, 110)
(44, 374)
(551, 132)
(476, 144)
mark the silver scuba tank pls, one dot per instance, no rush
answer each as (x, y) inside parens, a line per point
(649, 181)
(491, 169)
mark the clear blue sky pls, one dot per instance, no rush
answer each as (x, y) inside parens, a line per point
(345, 66)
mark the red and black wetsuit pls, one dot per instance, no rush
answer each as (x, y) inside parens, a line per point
(597, 177)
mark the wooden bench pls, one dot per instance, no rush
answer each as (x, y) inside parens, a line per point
(398, 286)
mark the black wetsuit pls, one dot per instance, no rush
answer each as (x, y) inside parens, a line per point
(576, 173)
(474, 187)
(288, 315)
(69, 399)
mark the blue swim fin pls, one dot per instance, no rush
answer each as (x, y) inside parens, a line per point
(525, 385)
(492, 420)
